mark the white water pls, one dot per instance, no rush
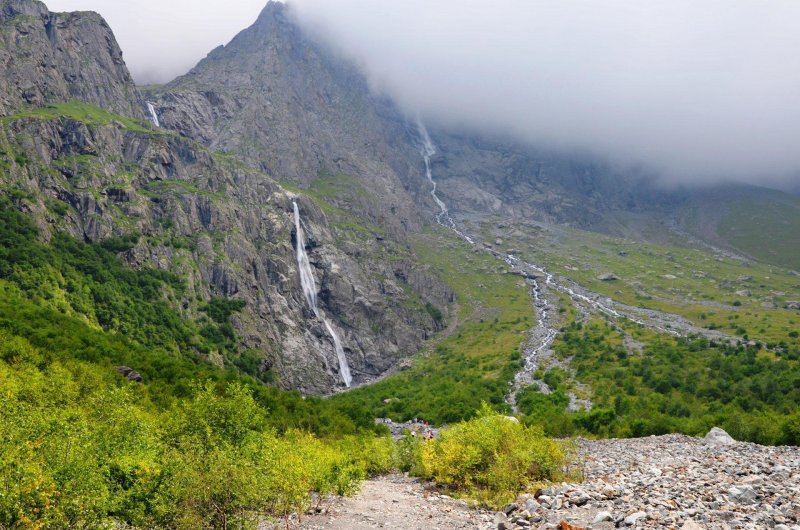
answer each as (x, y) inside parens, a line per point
(428, 150)
(310, 292)
(153, 115)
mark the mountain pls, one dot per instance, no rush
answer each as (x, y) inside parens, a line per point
(275, 118)
(78, 157)
(289, 107)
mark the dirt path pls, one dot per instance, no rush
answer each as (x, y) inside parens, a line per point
(396, 502)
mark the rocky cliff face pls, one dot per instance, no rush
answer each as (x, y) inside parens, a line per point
(54, 57)
(224, 226)
(287, 106)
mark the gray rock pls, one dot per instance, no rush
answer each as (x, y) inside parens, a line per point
(48, 58)
(634, 518)
(742, 494)
(602, 517)
(608, 277)
(717, 436)
(579, 498)
(130, 373)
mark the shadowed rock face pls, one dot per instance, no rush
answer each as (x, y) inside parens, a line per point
(55, 57)
(225, 227)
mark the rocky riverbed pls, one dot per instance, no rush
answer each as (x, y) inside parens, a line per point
(672, 482)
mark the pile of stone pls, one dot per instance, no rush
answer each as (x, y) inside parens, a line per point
(671, 481)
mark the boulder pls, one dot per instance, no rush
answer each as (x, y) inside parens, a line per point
(130, 373)
(608, 277)
(742, 494)
(792, 304)
(717, 436)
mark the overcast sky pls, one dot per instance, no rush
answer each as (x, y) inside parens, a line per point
(700, 89)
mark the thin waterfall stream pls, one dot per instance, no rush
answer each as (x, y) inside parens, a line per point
(153, 115)
(310, 291)
(543, 334)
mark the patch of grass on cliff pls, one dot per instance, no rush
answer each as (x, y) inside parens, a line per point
(84, 113)
(768, 229)
(675, 384)
(474, 363)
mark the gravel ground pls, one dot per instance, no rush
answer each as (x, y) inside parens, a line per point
(673, 482)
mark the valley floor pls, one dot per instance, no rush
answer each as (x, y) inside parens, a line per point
(671, 481)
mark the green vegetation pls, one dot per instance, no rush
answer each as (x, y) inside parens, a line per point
(492, 458)
(767, 228)
(674, 385)
(83, 448)
(474, 363)
(711, 291)
(84, 113)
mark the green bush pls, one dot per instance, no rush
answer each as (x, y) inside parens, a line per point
(81, 447)
(492, 457)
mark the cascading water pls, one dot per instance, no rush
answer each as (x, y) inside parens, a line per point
(543, 333)
(310, 292)
(428, 150)
(153, 116)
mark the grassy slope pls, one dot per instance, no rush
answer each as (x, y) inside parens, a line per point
(689, 282)
(84, 113)
(761, 223)
(671, 385)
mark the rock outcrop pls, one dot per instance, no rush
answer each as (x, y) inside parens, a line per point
(56, 57)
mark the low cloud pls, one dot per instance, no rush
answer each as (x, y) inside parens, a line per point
(700, 90)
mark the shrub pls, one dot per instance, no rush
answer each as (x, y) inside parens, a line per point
(492, 457)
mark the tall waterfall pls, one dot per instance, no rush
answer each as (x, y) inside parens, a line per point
(310, 292)
(153, 116)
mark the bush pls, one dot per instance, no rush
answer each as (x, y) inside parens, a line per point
(492, 457)
(81, 447)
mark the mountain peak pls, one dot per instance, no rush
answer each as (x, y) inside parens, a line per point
(85, 60)
(14, 8)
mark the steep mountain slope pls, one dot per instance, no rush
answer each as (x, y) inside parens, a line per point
(224, 228)
(288, 106)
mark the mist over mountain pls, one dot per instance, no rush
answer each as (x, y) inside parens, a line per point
(702, 92)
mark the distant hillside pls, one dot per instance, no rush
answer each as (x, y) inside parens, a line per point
(757, 222)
